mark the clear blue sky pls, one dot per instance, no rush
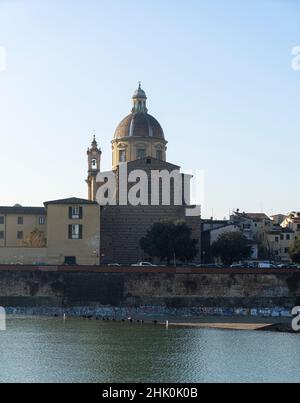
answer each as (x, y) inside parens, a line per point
(217, 74)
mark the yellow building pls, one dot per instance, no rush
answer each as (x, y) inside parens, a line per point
(73, 232)
(17, 222)
(65, 231)
(278, 241)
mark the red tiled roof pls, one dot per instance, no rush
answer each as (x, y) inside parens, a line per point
(255, 216)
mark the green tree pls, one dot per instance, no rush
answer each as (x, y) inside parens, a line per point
(231, 247)
(170, 241)
(294, 251)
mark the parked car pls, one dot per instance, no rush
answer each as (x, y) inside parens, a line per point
(266, 265)
(282, 266)
(210, 266)
(292, 266)
(114, 265)
(240, 266)
(143, 264)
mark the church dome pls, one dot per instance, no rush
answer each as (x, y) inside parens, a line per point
(139, 123)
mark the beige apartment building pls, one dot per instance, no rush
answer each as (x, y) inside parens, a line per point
(17, 222)
(64, 231)
(292, 221)
(278, 241)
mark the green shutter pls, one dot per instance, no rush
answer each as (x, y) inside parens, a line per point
(70, 231)
(80, 213)
(80, 231)
(70, 213)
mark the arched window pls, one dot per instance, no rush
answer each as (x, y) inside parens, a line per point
(94, 164)
(159, 155)
(141, 153)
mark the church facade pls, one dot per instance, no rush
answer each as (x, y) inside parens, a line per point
(139, 143)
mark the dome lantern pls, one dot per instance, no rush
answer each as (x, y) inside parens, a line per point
(139, 99)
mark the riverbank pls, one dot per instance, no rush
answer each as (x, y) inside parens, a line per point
(275, 314)
(245, 323)
(224, 326)
(284, 327)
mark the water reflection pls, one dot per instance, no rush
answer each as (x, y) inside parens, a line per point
(49, 350)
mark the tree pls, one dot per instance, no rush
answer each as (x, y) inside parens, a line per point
(170, 241)
(294, 251)
(231, 247)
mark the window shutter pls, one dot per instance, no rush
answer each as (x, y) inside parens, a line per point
(70, 231)
(70, 213)
(80, 231)
(80, 213)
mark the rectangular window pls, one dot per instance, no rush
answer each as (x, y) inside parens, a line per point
(20, 235)
(1, 219)
(42, 220)
(141, 153)
(122, 155)
(20, 220)
(276, 239)
(286, 250)
(159, 155)
(288, 237)
(282, 237)
(75, 213)
(75, 231)
(298, 227)
(1, 234)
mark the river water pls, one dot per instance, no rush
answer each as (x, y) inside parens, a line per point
(78, 350)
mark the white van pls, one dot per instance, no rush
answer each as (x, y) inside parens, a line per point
(266, 265)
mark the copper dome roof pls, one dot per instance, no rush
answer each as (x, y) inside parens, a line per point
(139, 125)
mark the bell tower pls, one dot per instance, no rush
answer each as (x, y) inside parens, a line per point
(94, 160)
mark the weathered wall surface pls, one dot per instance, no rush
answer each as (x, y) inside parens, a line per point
(23, 255)
(41, 288)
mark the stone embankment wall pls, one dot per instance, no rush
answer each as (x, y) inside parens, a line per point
(148, 290)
